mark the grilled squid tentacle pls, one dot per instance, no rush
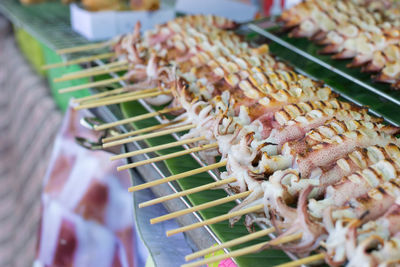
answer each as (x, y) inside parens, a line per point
(312, 232)
(253, 199)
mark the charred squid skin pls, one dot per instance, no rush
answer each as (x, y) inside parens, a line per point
(371, 205)
(309, 154)
(295, 128)
(321, 153)
(385, 166)
(361, 182)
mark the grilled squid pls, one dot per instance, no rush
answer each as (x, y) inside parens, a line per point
(362, 30)
(284, 187)
(364, 208)
(350, 241)
(325, 144)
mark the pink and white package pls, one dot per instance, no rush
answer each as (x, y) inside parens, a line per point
(86, 208)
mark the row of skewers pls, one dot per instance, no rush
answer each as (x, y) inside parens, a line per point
(321, 171)
(362, 30)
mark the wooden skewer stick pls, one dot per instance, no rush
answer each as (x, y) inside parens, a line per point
(82, 48)
(157, 148)
(177, 176)
(236, 253)
(187, 192)
(306, 260)
(77, 61)
(122, 99)
(140, 131)
(99, 95)
(286, 239)
(91, 72)
(240, 252)
(199, 207)
(231, 243)
(127, 92)
(136, 118)
(148, 136)
(85, 74)
(168, 156)
(92, 85)
(113, 99)
(116, 94)
(97, 68)
(124, 95)
(215, 219)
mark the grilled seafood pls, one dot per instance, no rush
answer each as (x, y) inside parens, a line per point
(284, 136)
(365, 31)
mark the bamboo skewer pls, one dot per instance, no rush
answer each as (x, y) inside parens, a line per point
(236, 253)
(86, 74)
(306, 260)
(99, 95)
(127, 92)
(177, 176)
(100, 67)
(148, 136)
(78, 61)
(243, 251)
(157, 148)
(115, 99)
(168, 156)
(115, 95)
(133, 119)
(199, 207)
(92, 85)
(122, 99)
(82, 48)
(187, 192)
(97, 68)
(231, 243)
(286, 239)
(215, 219)
(140, 131)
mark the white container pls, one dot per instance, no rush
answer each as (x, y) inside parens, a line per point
(103, 25)
(231, 9)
